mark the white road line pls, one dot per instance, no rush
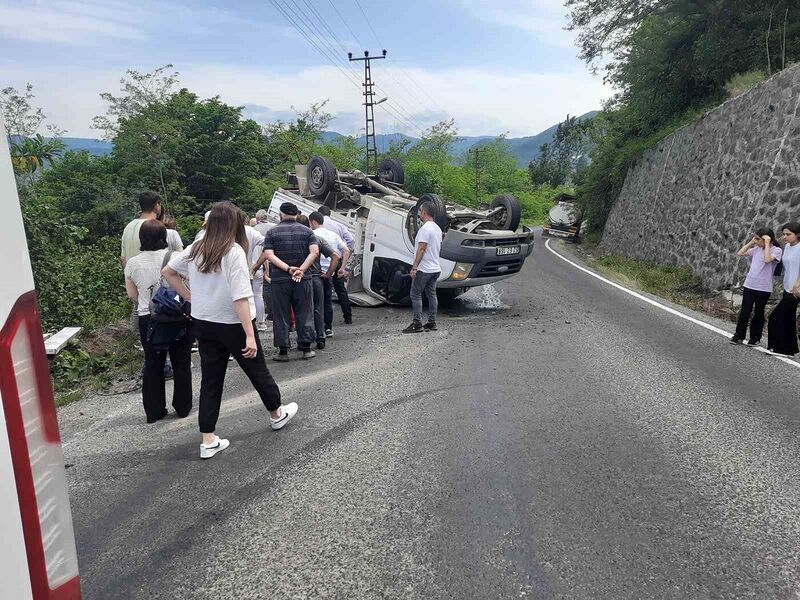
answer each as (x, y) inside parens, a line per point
(672, 311)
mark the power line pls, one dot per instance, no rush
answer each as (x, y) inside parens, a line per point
(355, 37)
(321, 49)
(366, 18)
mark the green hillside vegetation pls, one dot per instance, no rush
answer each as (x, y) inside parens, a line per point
(671, 60)
(195, 152)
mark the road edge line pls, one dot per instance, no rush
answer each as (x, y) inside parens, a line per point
(663, 307)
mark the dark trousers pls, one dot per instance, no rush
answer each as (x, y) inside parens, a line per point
(319, 312)
(424, 284)
(752, 299)
(340, 286)
(216, 342)
(154, 395)
(267, 295)
(288, 295)
(782, 326)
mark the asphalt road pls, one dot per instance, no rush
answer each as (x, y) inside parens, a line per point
(572, 443)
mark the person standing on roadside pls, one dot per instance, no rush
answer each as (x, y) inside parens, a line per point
(331, 267)
(426, 270)
(291, 249)
(318, 276)
(224, 312)
(782, 325)
(174, 240)
(150, 203)
(764, 257)
(255, 242)
(142, 275)
(338, 281)
(263, 226)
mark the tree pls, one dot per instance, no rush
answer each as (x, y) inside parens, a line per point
(559, 160)
(295, 142)
(139, 90)
(186, 146)
(29, 155)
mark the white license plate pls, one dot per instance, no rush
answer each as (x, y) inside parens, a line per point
(503, 251)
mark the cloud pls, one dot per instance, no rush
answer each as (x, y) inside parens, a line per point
(482, 101)
(63, 23)
(545, 20)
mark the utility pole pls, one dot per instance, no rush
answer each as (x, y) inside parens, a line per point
(369, 103)
(477, 153)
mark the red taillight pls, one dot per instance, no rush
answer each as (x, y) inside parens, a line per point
(37, 456)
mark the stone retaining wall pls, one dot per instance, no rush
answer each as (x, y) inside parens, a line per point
(694, 199)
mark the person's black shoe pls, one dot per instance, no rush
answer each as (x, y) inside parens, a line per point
(415, 327)
(735, 340)
(282, 356)
(430, 326)
(754, 342)
(154, 419)
(348, 320)
(321, 345)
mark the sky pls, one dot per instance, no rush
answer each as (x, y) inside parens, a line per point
(506, 66)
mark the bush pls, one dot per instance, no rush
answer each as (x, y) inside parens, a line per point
(744, 82)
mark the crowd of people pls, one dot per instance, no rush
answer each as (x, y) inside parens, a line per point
(222, 289)
(767, 261)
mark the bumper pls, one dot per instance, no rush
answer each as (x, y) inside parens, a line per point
(487, 266)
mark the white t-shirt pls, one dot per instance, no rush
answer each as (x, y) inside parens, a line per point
(334, 241)
(213, 294)
(791, 266)
(255, 243)
(174, 241)
(431, 234)
(144, 270)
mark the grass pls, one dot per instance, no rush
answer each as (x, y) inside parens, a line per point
(99, 359)
(744, 82)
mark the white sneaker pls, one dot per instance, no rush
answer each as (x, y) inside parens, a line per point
(328, 333)
(261, 326)
(287, 412)
(218, 445)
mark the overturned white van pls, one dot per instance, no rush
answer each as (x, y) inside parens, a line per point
(479, 246)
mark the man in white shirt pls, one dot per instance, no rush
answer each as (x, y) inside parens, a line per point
(263, 225)
(425, 271)
(316, 221)
(338, 280)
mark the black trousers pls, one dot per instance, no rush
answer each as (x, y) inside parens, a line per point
(267, 295)
(319, 312)
(782, 326)
(154, 396)
(216, 342)
(752, 299)
(287, 295)
(340, 286)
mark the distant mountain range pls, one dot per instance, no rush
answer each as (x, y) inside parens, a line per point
(525, 149)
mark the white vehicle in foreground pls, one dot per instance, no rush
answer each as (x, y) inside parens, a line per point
(479, 246)
(38, 560)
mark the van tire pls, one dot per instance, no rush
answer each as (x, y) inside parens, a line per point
(415, 221)
(321, 176)
(510, 218)
(390, 169)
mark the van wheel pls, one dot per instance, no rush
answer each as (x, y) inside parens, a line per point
(510, 216)
(415, 220)
(392, 170)
(321, 175)
(447, 296)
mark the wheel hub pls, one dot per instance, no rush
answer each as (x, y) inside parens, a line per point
(317, 175)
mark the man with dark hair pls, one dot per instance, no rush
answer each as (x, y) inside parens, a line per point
(337, 282)
(334, 267)
(426, 270)
(291, 249)
(150, 203)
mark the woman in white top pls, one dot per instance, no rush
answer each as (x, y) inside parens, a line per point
(223, 312)
(142, 275)
(782, 327)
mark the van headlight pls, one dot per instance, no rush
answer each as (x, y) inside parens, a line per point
(461, 271)
(474, 243)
